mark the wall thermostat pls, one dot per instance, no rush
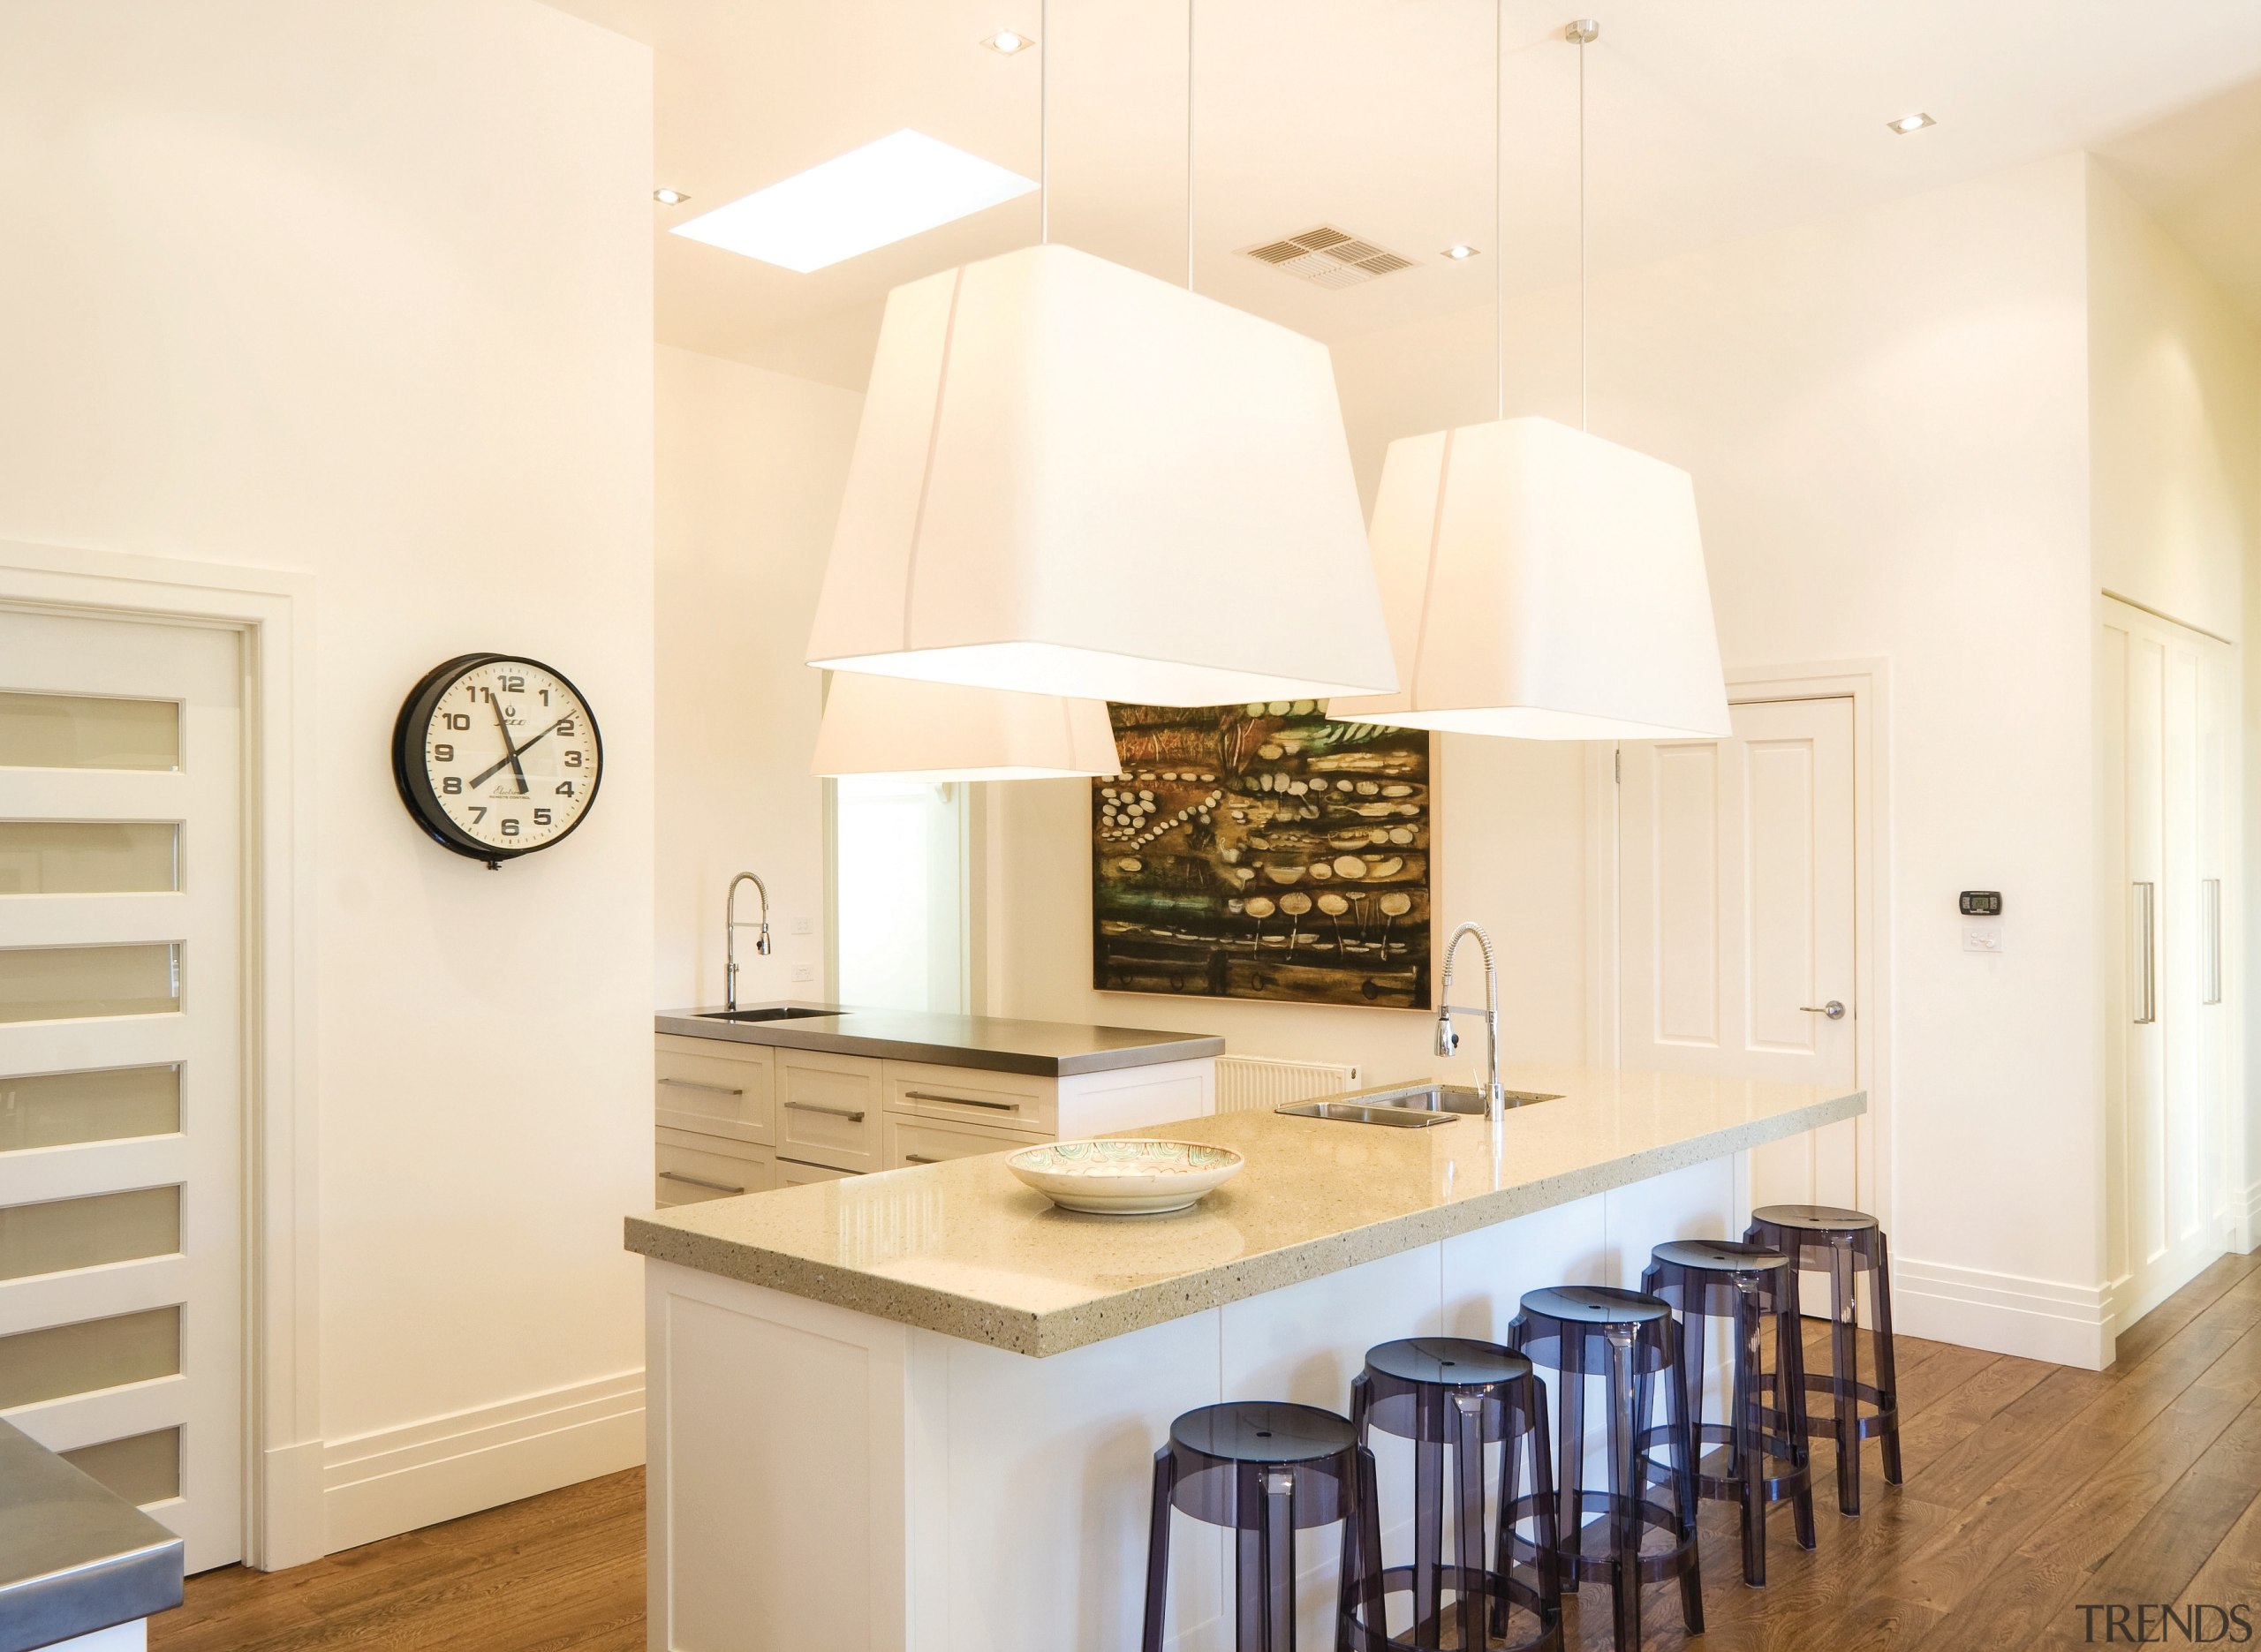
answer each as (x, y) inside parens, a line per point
(1982, 904)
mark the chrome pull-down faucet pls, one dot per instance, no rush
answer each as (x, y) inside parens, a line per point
(761, 941)
(1448, 1036)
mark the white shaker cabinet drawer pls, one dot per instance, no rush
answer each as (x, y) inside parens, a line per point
(791, 1174)
(692, 1168)
(915, 1141)
(715, 1088)
(829, 1109)
(1015, 1101)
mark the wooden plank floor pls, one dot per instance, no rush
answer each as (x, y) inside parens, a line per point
(2029, 1490)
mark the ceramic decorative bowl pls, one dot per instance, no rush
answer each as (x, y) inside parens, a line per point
(1127, 1177)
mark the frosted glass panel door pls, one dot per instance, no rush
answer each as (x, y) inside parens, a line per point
(1737, 904)
(121, 846)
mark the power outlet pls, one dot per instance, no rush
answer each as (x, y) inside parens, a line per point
(804, 972)
(1982, 938)
(804, 925)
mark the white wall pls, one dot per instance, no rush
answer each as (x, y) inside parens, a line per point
(1886, 417)
(2175, 422)
(362, 289)
(750, 466)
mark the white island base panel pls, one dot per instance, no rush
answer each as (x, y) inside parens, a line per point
(819, 1477)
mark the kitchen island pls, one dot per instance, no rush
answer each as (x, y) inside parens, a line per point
(919, 1409)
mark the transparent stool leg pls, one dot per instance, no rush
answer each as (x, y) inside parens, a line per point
(1845, 1365)
(1468, 1523)
(1158, 1551)
(1625, 1479)
(1750, 1449)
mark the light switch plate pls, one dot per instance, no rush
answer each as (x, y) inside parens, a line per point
(1982, 938)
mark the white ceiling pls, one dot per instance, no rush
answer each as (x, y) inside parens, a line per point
(1708, 120)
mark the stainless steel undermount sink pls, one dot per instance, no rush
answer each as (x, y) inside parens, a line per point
(764, 1012)
(1407, 1107)
(1357, 1112)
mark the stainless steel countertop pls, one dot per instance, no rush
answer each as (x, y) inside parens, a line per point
(73, 1556)
(1049, 1049)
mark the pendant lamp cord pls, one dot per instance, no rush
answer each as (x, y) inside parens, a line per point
(1188, 146)
(1582, 37)
(1044, 123)
(1498, 212)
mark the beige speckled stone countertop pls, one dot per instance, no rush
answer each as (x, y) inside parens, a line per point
(963, 1247)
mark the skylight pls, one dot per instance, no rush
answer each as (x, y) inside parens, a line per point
(899, 186)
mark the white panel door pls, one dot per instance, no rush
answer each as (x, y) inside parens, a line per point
(1737, 907)
(2164, 753)
(121, 1013)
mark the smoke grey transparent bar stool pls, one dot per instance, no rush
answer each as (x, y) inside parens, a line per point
(1264, 1470)
(1844, 1244)
(1764, 1409)
(1450, 1394)
(1629, 1338)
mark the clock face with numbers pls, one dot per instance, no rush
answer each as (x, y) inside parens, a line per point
(496, 756)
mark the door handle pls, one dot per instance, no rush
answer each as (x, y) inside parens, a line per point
(2147, 922)
(852, 1115)
(1834, 1009)
(693, 1083)
(919, 1158)
(961, 1101)
(699, 1181)
(2213, 888)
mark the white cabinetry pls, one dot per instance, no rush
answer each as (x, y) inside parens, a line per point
(829, 1109)
(2175, 1149)
(688, 1168)
(745, 1117)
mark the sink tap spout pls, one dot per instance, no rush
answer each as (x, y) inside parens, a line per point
(1448, 1036)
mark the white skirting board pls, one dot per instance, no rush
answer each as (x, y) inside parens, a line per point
(378, 1485)
(2004, 1313)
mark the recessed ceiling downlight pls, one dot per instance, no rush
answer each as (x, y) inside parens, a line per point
(1907, 123)
(1008, 43)
(903, 185)
(1459, 250)
(669, 197)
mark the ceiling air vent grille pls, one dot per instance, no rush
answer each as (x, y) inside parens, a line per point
(1329, 257)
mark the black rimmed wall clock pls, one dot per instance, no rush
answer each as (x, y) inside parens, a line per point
(496, 756)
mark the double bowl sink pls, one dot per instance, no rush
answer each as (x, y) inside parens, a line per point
(1407, 1107)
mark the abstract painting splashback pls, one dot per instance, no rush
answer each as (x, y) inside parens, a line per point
(1263, 852)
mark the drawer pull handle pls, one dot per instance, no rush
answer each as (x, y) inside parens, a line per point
(854, 1115)
(699, 1181)
(712, 1089)
(961, 1101)
(919, 1158)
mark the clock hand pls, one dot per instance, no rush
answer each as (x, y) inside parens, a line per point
(493, 769)
(510, 752)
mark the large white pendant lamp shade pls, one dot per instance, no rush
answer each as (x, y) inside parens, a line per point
(943, 731)
(1544, 584)
(1072, 478)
